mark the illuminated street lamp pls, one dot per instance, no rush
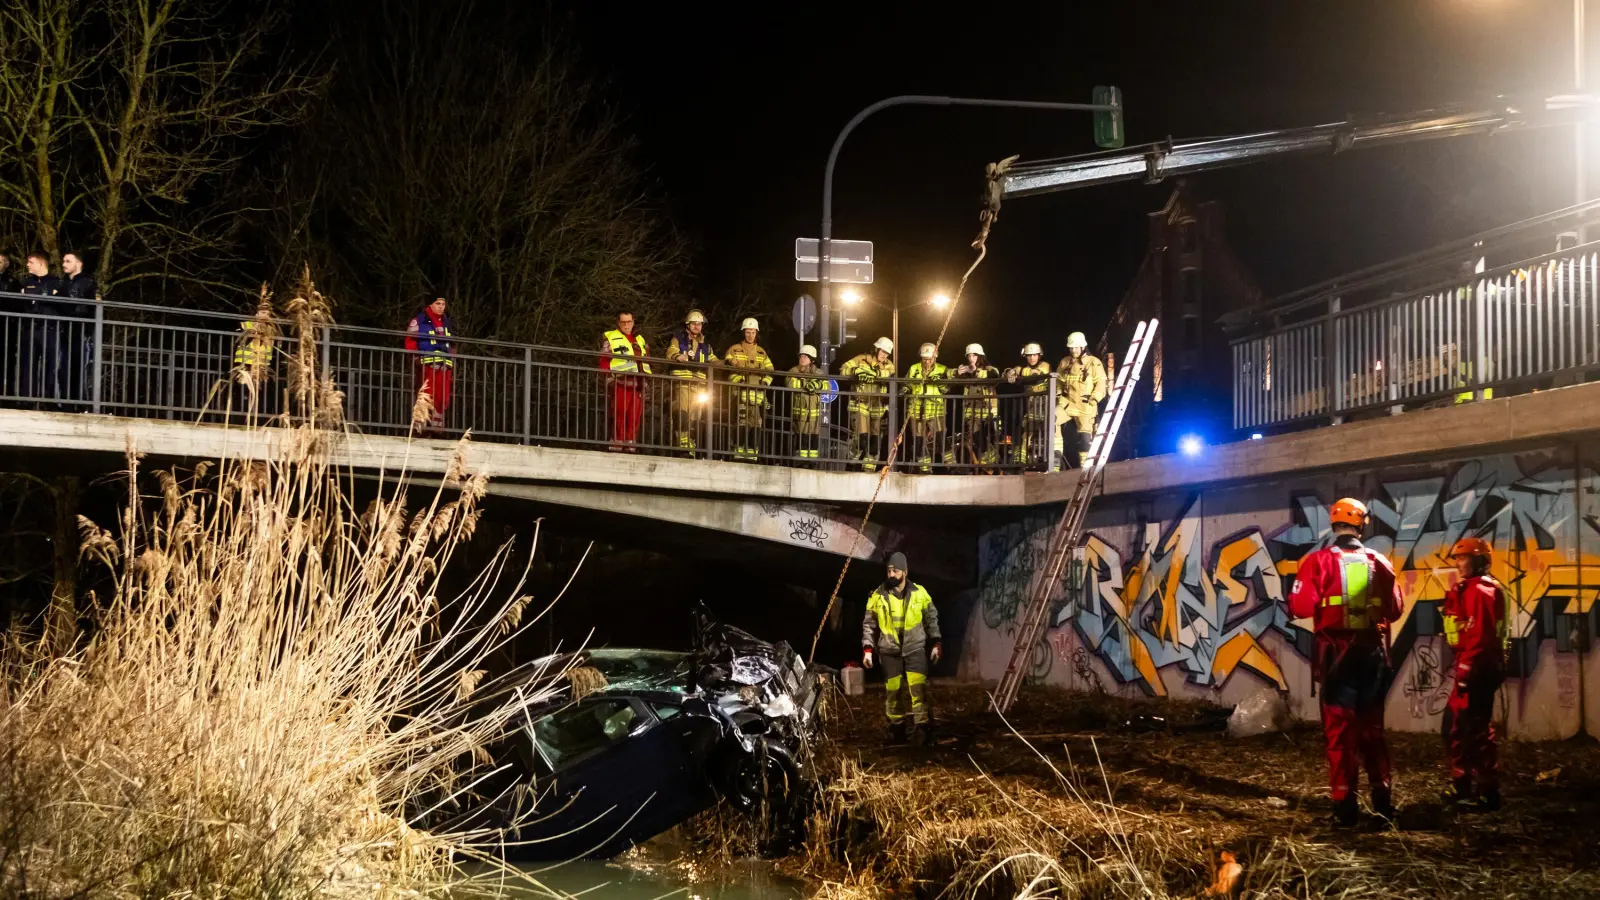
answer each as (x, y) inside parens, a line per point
(853, 297)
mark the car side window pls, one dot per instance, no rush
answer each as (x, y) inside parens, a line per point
(576, 731)
(664, 711)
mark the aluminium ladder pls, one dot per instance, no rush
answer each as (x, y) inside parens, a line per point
(1064, 539)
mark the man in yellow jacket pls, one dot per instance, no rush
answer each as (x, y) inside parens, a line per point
(1082, 387)
(869, 399)
(901, 634)
(751, 363)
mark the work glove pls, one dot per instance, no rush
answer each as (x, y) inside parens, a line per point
(866, 657)
(936, 653)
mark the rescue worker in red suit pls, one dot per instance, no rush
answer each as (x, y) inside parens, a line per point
(1349, 593)
(428, 339)
(1475, 628)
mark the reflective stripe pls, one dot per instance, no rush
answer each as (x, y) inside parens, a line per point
(1360, 610)
(623, 350)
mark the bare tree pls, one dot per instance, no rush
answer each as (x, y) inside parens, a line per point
(120, 122)
(463, 157)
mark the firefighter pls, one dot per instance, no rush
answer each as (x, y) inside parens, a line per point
(428, 338)
(1035, 376)
(869, 401)
(1349, 593)
(252, 361)
(1475, 628)
(690, 348)
(925, 411)
(979, 409)
(749, 361)
(901, 634)
(807, 382)
(1083, 386)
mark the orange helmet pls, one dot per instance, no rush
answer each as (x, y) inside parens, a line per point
(1471, 546)
(1349, 511)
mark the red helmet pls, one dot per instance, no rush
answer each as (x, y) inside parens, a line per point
(1349, 511)
(1471, 546)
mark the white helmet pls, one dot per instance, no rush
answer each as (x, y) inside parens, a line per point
(929, 351)
(884, 344)
(753, 325)
(1032, 350)
(1076, 341)
(975, 348)
(808, 350)
(694, 316)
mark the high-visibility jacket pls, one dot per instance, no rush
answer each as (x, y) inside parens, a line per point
(980, 398)
(1464, 378)
(624, 352)
(926, 390)
(749, 357)
(698, 351)
(1474, 614)
(870, 394)
(431, 339)
(897, 624)
(253, 348)
(1345, 588)
(808, 383)
(1083, 386)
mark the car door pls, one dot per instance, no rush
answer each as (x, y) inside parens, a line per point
(616, 779)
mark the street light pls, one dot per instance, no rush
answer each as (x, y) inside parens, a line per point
(853, 297)
(939, 301)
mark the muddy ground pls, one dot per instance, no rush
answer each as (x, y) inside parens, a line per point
(1179, 794)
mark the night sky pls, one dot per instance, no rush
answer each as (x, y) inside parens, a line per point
(735, 107)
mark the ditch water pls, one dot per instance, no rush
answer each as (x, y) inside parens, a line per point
(631, 879)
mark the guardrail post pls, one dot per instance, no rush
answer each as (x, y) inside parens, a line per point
(1480, 342)
(1331, 349)
(527, 395)
(96, 365)
(894, 421)
(1050, 427)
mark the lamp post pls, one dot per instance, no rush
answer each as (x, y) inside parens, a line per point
(824, 290)
(937, 301)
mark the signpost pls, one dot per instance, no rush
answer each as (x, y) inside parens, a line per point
(804, 316)
(849, 262)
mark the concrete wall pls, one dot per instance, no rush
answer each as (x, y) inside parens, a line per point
(1183, 594)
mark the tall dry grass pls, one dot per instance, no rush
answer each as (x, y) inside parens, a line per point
(275, 690)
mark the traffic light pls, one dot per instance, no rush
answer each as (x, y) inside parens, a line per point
(1108, 125)
(847, 323)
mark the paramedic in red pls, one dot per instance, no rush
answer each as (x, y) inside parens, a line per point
(620, 350)
(428, 337)
(1349, 593)
(1475, 628)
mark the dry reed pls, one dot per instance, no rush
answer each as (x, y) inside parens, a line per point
(273, 694)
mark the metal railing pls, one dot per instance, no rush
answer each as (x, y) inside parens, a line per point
(1517, 327)
(151, 362)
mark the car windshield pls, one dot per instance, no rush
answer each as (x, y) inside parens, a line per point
(641, 668)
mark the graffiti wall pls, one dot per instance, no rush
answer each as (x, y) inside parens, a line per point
(1185, 595)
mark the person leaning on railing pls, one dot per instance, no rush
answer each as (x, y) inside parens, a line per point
(979, 409)
(805, 405)
(751, 363)
(869, 400)
(692, 354)
(1034, 375)
(925, 407)
(428, 336)
(620, 350)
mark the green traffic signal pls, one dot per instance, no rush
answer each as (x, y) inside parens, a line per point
(1108, 125)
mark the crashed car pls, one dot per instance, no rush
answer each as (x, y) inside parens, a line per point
(637, 741)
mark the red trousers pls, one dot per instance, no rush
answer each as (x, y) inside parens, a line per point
(627, 409)
(1355, 680)
(437, 380)
(1469, 729)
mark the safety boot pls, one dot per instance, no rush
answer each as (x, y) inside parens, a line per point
(897, 732)
(1458, 793)
(1383, 803)
(1346, 812)
(1489, 800)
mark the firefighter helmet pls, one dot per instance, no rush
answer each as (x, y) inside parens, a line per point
(928, 351)
(1032, 350)
(750, 325)
(1471, 546)
(808, 350)
(884, 344)
(1077, 341)
(975, 348)
(1348, 511)
(694, 316)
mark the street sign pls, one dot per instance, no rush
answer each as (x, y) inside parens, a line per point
(849, 262)
(840, 271)
(804, 315)
(855, 251)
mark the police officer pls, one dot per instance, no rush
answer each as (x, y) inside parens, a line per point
(925, 411)
(901, 634)
(690, 348)
(1083, 386)
(749, 362)
(1034, 373)
(869, 400)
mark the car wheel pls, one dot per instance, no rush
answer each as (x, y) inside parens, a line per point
(767, 775)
